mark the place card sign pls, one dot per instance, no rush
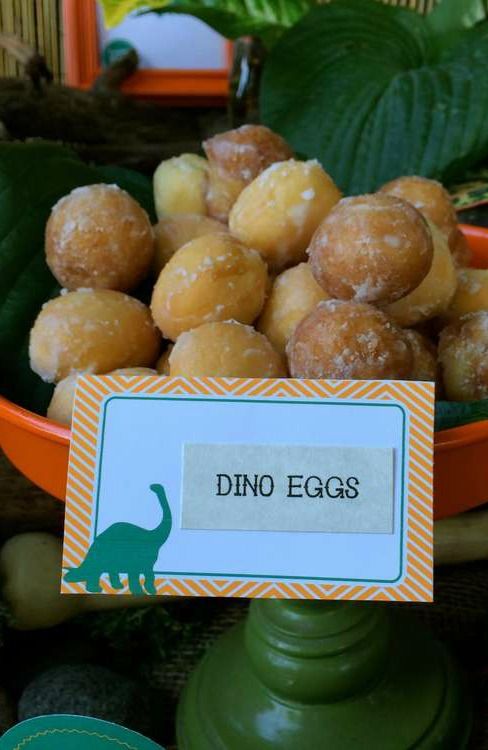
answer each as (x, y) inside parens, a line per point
(250, 488)
(68, 732)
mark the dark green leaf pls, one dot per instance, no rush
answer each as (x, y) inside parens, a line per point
(355, 84)
(456, 413)
(33, 177)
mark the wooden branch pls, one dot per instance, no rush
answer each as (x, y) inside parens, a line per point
(112, 77)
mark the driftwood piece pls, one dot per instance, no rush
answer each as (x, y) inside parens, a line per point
(103, 126)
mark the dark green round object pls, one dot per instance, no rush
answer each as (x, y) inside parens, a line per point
(314, 676)
(114, 50)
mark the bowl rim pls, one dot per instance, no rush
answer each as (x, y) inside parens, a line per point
(54, 431)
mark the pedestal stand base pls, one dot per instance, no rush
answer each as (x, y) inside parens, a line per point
(324, 676)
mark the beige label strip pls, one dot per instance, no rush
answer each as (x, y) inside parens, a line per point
(288, 488)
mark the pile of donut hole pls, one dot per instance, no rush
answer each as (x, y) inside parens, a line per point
(261, 269)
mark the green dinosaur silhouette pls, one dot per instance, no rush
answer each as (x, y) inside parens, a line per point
(125, 548)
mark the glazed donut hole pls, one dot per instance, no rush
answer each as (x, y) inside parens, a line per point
(162, 365)
(461, 253)
(425, 366)
(278, 212)
(237, 157)
(293, 295)
(471, 294)
(210, 279)
(349, 341)
(463, 356)
(227, 349)
(92, 330)
(179, 185)
(434, 294)
(371, 248)
(430, 198)
(60, 408)
(98, 236)
(172, 232)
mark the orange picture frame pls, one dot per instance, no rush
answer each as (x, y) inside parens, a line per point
(83, 65)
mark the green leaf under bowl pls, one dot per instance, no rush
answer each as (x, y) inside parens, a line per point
(456, 413)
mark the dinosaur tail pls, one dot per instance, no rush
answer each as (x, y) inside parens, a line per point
(74, 575)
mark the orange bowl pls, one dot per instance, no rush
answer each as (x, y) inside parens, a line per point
(39, 448)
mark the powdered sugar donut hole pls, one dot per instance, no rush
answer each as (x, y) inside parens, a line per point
(209, 279)
(280, 210)
(471, 293)
(162, 365)
(434, 294)
(237, 157)
(463, 355)
(180, 185)
(98, 236)
(94, 331)
(371, 248)
(293, 295)
(60, 408)
(228, 349)
(172, 232)
(425, 365)
(431, 199)
(349, 340)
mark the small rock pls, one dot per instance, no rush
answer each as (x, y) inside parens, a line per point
(87, 690)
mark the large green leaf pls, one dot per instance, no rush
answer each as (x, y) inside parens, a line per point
(231, 18)
(33, 177)
(359, 86)
(452, 15)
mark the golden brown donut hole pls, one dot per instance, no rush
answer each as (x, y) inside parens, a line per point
(471, 293)
(209, 279)
(227, 349)
(349, 340)
(98, 236)
(180, 185)
(162, 365)
(463, 354)
(237, 157)
(293, 295)
(433, 295)
(60, 408)
(172, 232)
(92, 330)
(371, 248)
(281, 209)
(431, 199)
(425, 365)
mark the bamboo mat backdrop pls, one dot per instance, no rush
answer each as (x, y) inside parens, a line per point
(39, 24)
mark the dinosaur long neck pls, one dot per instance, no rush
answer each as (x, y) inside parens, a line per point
(162, 530)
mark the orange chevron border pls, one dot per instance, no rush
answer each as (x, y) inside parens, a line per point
(416, 397)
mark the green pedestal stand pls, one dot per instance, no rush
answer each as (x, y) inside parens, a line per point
(324, 676)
